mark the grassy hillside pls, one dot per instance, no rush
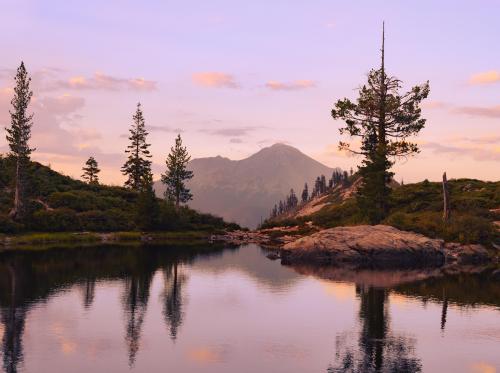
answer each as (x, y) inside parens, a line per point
(418, 207)
(60, 203)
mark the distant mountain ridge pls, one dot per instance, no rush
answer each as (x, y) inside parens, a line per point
(244, 191)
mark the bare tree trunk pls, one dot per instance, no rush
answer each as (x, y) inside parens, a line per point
(446, 199)
(14, 213)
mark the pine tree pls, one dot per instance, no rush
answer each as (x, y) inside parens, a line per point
(18, 135)
(292, 199)
(91, 171)
(148, 209)
(305, 194)
(177, 174)
(317, 187)
(138, 165)
(383, 119)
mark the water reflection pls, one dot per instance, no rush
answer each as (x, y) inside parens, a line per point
(27, 278)
(378, 349)
(13, 315)
(173, 298)
(135, 303)
(88, 292)
(243, 278)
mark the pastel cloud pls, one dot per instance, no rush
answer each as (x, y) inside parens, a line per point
(481, 111)
(487, 77)
(56, 143)
(479, 153)
(432, 104)
(231, 132)
(167, 129)
(106, 82)
(475, 111)
(215, 80)
(291, 86)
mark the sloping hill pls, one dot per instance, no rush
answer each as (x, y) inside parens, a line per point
(475, 210)
(59, 203)
(244, 191)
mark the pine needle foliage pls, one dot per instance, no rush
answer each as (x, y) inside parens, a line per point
(18, 136)
(91, 171)
(383, 119)
(137, 168)
(177, 174)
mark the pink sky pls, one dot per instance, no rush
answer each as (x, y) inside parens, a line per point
(234, 77)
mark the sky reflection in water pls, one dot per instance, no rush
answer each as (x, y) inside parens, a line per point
(191, 309)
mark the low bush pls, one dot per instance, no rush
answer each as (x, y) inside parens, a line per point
(57, 220)
(461, 228)
(7, 225)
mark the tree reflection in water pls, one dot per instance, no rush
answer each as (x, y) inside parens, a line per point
(88, 291)
(13, 315)
(29, 278)
(172, 298)
(378, 349)
(135, 302)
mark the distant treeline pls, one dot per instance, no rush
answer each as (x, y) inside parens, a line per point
(321, 187)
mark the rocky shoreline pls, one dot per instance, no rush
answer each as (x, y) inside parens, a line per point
(378, 246)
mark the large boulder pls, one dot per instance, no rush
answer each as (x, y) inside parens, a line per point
(366, 245)
(466, 254)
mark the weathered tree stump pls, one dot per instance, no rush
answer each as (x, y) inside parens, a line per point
(446, 199)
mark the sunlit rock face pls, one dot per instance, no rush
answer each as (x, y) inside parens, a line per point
(244, 191)
(379, 245)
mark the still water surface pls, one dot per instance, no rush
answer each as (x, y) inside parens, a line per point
(209, 309)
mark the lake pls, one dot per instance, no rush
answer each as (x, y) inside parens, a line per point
(215, 309)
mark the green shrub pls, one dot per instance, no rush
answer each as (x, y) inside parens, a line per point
(7, 225)
(461, 228)
(55, 220)
(112, 220)
(346, 213)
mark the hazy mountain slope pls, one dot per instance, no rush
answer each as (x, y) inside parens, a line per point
(244, 191)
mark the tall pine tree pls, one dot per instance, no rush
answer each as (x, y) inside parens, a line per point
(383, 119)
(177, 174)
(18, 136)
(91, 171)
(138, 166)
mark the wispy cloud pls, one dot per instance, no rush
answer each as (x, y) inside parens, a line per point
(168, 129)
(482, 153)
(479, 111)
(215, 80)
(230, 131)
(432, 104)
(290, 86)
(473, 111)
(236, 141)
(106, 82)
(487, 77)
(52, 79)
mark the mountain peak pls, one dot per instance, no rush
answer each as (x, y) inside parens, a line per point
(245, 190)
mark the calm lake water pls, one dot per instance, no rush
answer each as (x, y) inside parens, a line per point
(209, 309)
